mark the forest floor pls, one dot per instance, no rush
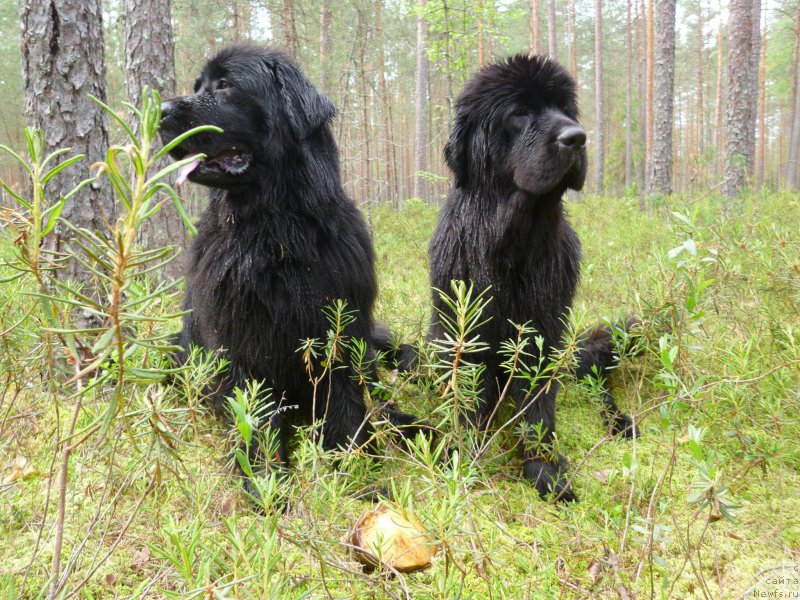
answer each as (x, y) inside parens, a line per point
(705, 503)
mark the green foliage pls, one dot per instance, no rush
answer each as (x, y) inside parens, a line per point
(709, 482)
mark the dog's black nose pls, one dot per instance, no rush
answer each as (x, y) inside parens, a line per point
(166, 108)
(572, 137)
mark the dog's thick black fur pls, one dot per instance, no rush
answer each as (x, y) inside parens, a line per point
(516, 147)
(279, 242)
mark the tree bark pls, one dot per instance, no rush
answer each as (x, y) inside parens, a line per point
(242, 21)
(793, 159)
(289, 28)
(421, 96)
(573, 39)
(365, 129)
(150, 61)
(661, 178)
(536, 40)
(481, 34)
(63, 61)
(389, 156)
(752, 97)
(552, 40)
(700, 116)
(628, 96)
(649, 84)
(326, 45)
(719, 131)
(599, 138)
(739, 118)
(761, 156)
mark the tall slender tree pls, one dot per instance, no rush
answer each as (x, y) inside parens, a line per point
(289, 28)
(421, 96)
(326, 45)
(719, 131)
(793, 159)
(628, 95)
(739, 118)
(552, 40)
(63, 59)
(150, 61)
(533, 24)
(761, 156)
(660, 180)
(599, 104)
(573, 39)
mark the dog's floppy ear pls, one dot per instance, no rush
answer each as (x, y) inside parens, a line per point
(306, 108)
(456, 151)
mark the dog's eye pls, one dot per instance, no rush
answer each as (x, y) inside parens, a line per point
(520, 111)
(223, 84)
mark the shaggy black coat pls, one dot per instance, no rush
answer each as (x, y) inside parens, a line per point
(279, 242)
(516, 147)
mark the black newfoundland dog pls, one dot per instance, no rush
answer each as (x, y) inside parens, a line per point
(515, 149)
(279, 242)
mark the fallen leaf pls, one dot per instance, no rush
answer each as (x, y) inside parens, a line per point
(140, 558)
(602, 476)
(111, 579)
(595, 571)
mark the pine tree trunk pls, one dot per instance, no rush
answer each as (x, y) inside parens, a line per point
(719, 131)
(481, 35)
(389, 157)
(242, 21)
(289, 28)
(752, 97)
(649, 82)
(365, 129)
(150, 61)
(628, 96)
(536, 40)
(552, 41)
(326, 45)
(740, 89)
(793, 159)
(573, 39)
(421, 96)
(761, 156)
(661, 180)
(63, 61)
(599, 138)
(700, 116)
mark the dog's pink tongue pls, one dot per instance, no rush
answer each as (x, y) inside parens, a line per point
(184, 171)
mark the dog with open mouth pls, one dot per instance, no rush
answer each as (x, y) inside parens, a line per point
(279, 242)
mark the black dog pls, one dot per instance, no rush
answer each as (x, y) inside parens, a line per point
(515, 148)
(279, 242)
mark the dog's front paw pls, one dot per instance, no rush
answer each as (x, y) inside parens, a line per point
(622, 424)
(549, 480)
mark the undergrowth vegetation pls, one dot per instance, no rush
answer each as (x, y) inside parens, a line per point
(115, 480)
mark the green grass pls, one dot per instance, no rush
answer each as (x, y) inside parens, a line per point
(734, 376)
